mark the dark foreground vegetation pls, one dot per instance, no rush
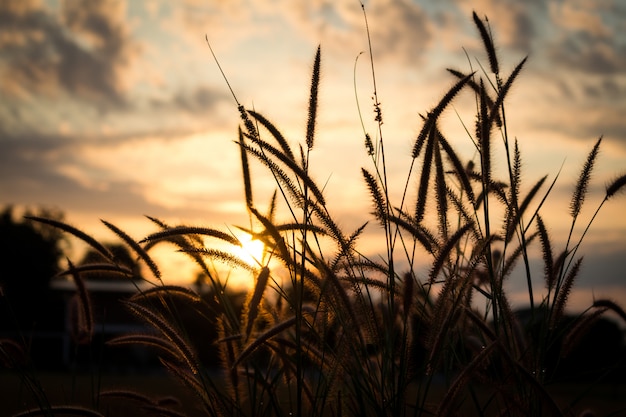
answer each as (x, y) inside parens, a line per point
(327, 331)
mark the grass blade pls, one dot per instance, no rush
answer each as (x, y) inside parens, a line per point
(136, 248)
(580, 191)
(77, 233)
(312, 113)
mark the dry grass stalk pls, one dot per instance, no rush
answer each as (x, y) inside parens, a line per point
(580, 190)
(81, 311)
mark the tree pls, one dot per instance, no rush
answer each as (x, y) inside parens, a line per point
(29, 257)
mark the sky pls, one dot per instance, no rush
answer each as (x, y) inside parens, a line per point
(116, 109)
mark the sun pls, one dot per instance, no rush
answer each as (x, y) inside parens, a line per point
(251, 250)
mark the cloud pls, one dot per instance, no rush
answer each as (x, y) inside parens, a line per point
(340, 28)
(119, 178)
(200, 100)
(591, 37)
(190, 20)
(587, 53)
(406, 31)
(577, 106)
(608, 88)
(513, 22)
(580, 15)
(84, 50)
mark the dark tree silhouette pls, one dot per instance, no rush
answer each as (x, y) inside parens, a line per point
(29, 257)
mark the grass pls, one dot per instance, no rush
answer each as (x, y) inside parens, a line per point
(79, 390)
(328, 331)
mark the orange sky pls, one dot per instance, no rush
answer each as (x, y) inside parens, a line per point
(115, 109)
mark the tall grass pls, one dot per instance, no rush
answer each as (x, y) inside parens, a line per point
(326, 330)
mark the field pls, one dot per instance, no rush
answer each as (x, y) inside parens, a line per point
(604, 399)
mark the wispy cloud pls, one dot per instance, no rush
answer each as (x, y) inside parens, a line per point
(515, 23)
(200, 100)
(84, 49)
(117, 177)
(589, 41)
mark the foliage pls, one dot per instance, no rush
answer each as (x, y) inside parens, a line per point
(30, 256)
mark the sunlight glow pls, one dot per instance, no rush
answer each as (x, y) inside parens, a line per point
(251, 250)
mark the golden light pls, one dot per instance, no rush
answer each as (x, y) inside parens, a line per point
(251, 250)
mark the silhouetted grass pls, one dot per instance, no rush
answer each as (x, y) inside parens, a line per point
(345, 334)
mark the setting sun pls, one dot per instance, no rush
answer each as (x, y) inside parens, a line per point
(251, 250)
